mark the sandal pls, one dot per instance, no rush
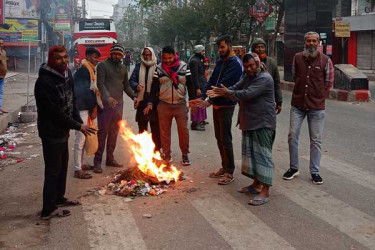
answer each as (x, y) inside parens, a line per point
(259, 201)
(248, 189)
(80, 174)
(226, 179)
(63, 213)
(68, 203)
(217, 174)
(87, 167)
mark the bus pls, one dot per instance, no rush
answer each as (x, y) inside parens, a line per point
(97, 33)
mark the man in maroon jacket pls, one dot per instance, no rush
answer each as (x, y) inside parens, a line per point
(313, 77)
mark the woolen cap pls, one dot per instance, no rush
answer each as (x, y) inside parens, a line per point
(198, 49)
(117, 48)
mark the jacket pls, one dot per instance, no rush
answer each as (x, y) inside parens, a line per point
(272, 69)
(228, 73)
(313, 78)
(3, 63)
(257, 101)
(86, 98)
(56, 105)
(196, 67)
(112, 79)
(162, 86)
(134, 80)
(274, 72)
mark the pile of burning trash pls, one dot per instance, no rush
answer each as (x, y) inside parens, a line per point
(150, 175)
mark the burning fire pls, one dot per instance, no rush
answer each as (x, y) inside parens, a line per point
(148, 160)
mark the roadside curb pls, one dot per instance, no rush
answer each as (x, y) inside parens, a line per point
(361, 95)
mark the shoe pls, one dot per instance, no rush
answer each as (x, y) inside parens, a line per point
(316, 179)
(290, 174)
(114, 164)
(97, 168)
(185, 160)
(197, 127)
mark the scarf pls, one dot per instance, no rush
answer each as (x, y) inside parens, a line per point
(142, 73)
(171, 70)
(93, 86)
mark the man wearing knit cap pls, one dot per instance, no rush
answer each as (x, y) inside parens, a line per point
(198, 79)
(259, 47)
(112, 80)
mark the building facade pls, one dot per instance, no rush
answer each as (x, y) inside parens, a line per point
(302, 16)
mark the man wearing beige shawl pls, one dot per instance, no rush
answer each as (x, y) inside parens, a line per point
(88, 97)
(141, 81)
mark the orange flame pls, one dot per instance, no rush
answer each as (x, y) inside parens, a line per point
(142, 148)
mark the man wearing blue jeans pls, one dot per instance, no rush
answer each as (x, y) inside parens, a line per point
(313, 77)
(3, 72)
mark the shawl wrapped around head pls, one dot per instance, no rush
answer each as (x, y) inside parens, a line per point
(142, 73)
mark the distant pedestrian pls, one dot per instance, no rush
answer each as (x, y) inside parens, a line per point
(259, 47)
(257, 120)
(3, 72)
(213, 57)
(313, 77)
(112, 80)
(127, 60)
(57, 114)
(141, 81)
(198, 79)
(227, 72)
(172, 84)
(85, 89)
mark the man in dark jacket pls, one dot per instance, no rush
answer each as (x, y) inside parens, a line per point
(57, 114)
(198, 79)
(84, 78)
(141, 82)
(227, 72)
(259, 47)
(112, 82)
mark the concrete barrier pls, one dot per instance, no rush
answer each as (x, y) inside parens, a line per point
(361, 95)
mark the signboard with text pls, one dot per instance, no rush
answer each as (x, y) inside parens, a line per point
(62, 18)
(94, 25)
(2, 11)
(261, 10)
(19, 29)
(22, 8)
(342, 29)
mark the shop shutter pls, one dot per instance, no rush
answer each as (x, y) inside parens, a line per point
(364, 49)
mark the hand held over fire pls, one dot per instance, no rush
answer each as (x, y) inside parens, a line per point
(217, 91)
(86, 130)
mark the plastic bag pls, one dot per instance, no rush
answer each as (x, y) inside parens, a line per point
(91, 144)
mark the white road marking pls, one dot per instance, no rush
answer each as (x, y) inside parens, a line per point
(112, 226)
(243, 232)
(347, 219)
(353, 173)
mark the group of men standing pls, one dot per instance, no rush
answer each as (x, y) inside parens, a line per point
(160, 92)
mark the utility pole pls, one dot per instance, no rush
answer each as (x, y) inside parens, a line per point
(83, 8)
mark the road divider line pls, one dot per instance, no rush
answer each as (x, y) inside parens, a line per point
(247, 231)
(112, 226)
(361, 177)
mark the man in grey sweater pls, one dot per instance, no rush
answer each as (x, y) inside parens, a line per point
(112, 81)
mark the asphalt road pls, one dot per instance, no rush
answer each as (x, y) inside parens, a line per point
(199, 214)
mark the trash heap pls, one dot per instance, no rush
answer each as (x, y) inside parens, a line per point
(9, 142)
(132, 182)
